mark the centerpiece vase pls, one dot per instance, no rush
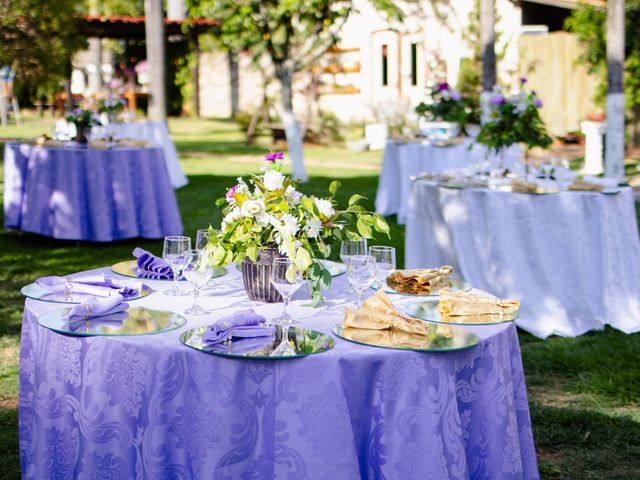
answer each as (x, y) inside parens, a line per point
(256, 277)
(81, 135)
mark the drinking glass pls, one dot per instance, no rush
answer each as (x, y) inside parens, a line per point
(349, 248)
(360, 274)
(202, 238)
(174, 253)
(286, 277)
(385, 262)
(198, 271)
(547, 168)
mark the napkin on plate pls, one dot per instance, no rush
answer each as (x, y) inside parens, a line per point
(378, 313)
(247, 345)
(464, 307)
(241, 324)
(420, 281)
(92, 284)
(394, 338)
(522, 186)
(97, 307)
(150, 266)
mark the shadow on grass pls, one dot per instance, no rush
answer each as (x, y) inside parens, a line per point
(581, 444)
(9, 451)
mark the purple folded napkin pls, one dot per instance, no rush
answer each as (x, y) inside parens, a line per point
(96, 307)
(95, 284)
(242, 324)
(150, 266)
(245, 345)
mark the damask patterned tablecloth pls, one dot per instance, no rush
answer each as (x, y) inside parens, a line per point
(89, 194)
(149, 407)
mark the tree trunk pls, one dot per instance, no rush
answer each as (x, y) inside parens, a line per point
(195, 75)
(234, 82)
(154, 33)
(487, 40)
(291, 125)
(614, 144)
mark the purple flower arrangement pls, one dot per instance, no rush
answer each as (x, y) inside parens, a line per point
(446, 104)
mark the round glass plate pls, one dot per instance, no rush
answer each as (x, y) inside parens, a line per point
(443, 338)
(134, 321)
(455, 285)
(287, 342)
(129, 268)
(38, 293)
(453, 185)
(335, 268)
(610, 191)
(428, 311)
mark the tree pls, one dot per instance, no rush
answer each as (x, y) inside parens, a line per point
(292, 34)
(39, 38)
(154, 32)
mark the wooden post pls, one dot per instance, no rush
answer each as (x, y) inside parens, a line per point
(234, 82)
(487, 40)
(614, 143)
(154, 33)
(195, 75)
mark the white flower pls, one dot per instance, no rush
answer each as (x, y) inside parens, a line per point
(289, 225)
(521, 106)
(251, 208)
(292, 194)
(325, 207)
(313, 227)
(273, 180)
(232, 216)
(262, 219)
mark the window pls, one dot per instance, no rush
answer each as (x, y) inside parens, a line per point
(414, 64)
(385, 66)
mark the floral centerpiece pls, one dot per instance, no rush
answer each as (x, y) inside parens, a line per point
(111, 106)
(447, 105)
(83, 120)
(267, 216)
(514, 119)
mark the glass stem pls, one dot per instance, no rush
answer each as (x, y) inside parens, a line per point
(285, 312)
(359, 293)
(175, 279)
(196, 291)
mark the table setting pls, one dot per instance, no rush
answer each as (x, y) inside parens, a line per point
(276, 369)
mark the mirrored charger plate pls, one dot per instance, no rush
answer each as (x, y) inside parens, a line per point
(134, 321)
(36, 292)
(129, 268)
(454, 284)
(442, 338)
(298, 342)
(428, 311)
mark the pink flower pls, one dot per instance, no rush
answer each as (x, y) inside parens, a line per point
(443, 86)
(232, 191)
(537, 102)
(498, 100)
(273, 156)
(523, 80)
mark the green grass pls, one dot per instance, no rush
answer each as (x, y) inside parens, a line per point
(584, 392)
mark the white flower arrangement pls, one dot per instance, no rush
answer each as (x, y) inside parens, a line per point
(268, 211)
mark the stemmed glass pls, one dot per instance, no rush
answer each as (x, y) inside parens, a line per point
(174, 253)
(202, 238)
(360, 274)
(197, 272)
(547, 168)
(348, 248)
(385, 262)
(286, 277)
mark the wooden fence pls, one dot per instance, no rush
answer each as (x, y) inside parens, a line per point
(549, 62)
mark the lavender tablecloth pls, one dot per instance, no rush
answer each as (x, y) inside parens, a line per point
(89, 194)
(149, 407)
(571, 258)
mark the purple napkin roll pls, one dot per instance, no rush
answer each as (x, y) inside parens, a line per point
(95, 307)
(150, 266)
(245, 345)
(242, 324)
(95, 284)
(114, 320)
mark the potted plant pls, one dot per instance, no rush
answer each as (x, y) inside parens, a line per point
(444, 114)
(514, 119)
(83, 121)
(266, 216)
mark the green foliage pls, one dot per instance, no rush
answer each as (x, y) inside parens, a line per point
(39, 38)
(448, 105)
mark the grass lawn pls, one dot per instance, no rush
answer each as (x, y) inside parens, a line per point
(584, 393)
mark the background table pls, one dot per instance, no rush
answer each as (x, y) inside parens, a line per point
(150, 407)
(572, 258)
(156, 133)
(89, 194)
(403, 160)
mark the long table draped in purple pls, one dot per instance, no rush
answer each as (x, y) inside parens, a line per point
(149, 407)
(89, 194)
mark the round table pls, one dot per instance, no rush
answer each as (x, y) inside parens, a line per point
(402, 160)
(571, 258)
(150, 407)
(89, 194)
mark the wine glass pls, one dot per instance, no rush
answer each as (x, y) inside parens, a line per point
(202, 238)
(547, 168)
(174, 253)
(360, 274)
(385, 262)
(197, 272)
(349, 248)
(286, 277)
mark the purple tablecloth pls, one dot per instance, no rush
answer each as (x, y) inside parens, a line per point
(89, 194)
(149, 407)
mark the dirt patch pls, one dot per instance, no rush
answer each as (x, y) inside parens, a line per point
(550, 456)
(9, 404)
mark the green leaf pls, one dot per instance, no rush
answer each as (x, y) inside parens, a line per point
(381, 224)
(333, 187)
(363, 228)
(252, 251)
(355, 199)
(325, 279)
